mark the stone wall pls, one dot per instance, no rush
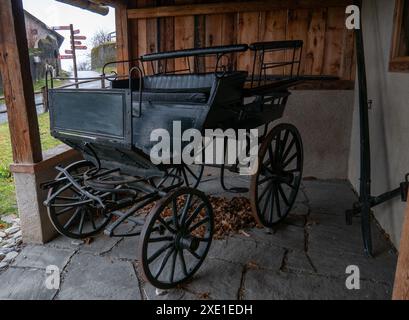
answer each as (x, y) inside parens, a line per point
(102, 54)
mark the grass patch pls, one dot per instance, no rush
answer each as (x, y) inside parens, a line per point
(7, 192)
(38, 85)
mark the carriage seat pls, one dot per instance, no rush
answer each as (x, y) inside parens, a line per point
(176, 88)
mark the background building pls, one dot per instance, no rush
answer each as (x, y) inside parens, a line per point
(44, 45)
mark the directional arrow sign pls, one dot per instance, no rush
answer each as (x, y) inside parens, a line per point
(62, 28)
(80, 38)
(66, 57)
(81, 47)
(77, 43)
(68, 51)
(77, 31)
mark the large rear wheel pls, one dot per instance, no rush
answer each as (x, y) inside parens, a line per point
(275, 186)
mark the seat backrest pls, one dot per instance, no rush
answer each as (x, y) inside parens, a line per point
(179, 81)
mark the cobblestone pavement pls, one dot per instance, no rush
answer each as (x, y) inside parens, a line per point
(304, 258)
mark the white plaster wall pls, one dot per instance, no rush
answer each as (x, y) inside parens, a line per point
(324, 119)
(389, 118)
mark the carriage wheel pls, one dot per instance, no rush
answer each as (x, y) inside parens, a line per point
(176, 238)
(70, 212)
(275, 186)
(191, 175)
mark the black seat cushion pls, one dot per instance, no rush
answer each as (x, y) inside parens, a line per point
(179, 81)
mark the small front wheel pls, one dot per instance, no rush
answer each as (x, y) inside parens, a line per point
(72, 214)
(176, 238)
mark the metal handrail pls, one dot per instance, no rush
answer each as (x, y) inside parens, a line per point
(131, 71)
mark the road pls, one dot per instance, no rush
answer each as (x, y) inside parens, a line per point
(39, 98)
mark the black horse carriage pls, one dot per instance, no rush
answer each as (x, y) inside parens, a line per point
(116, 184)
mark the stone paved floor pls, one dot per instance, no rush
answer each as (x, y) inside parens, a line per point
(304, 258)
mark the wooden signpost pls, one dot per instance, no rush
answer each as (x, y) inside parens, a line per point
(75, 45)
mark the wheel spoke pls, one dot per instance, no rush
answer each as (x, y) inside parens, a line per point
(283, 144)
(288, 150)
(277, 147)
(200, 223)
(290, 185)
(166, 225)
(295, 155)
(194, 254)
(175, 213)
(277, 201)
(194, 214)
(164, 262)
(186, 208)
(91, 218)
(69, 223)
(172, 270)
(191, 172)
(270, 155)
(63, 211)
(183, 262)
(67, 198)
(285, 199)
(159, 252)
(265, 191)
(185, 176)
(81, 225)
(265, 167)
(266, 201)
(161, 239)
(271, 204)
(262, 181)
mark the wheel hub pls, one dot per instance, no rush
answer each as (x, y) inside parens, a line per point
(280, 175)
(186, 242)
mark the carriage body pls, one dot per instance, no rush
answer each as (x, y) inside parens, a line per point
(113, 122)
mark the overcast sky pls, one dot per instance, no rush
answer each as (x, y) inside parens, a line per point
(54, 13)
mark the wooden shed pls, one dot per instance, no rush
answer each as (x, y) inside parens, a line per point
(150, 26)
(146, 26)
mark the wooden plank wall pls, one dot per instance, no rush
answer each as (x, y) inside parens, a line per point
(328, 45)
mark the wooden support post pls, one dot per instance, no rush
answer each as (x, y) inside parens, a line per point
(401, 287)
(122, 38)
(18, 86)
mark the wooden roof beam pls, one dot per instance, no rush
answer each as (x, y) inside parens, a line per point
(88, 5)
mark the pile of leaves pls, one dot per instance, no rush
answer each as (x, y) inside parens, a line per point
(231, 216)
